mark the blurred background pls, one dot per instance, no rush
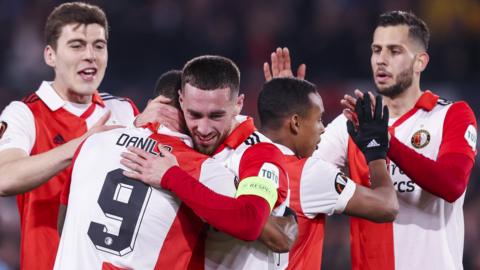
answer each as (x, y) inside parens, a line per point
(332, 37)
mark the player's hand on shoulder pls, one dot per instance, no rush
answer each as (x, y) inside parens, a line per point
(281, 66)
(371, 135)
(99, 126)
(146, 167)
(160, 110)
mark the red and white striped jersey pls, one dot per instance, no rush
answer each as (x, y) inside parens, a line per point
(38, 123)
(426, 224)
(317, 188)
(114, 222)
(243, 152)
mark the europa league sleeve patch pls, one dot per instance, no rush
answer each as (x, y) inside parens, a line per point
(3, 128)
(340, 182)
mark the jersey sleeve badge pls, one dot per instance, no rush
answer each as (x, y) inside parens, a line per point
(470, 137)
(340, 182)
(270, 172)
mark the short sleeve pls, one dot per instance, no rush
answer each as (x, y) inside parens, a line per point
(266, 162)
(334, 142)
(19, 129)
(323, 188)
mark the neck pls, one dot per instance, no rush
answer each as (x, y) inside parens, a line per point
(404, 102)
(234, 125)
(69, 95)
(278, 136)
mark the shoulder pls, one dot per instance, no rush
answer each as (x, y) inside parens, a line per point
(318, 166)
(109, 97)
(263, 152)
(17, 110)
(122, 107)
(461, 108)
(454, 107)
(260, 145)
(113, 101)
(32, 98)
(456, 112)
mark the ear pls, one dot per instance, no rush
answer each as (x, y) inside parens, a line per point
(239, 104)
(49, 56)
(421, 62)
(294, 122)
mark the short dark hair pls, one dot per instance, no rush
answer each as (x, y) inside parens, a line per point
(168, 85)
(209, 72)
(74, 12)
(281, 98)
(417, 28)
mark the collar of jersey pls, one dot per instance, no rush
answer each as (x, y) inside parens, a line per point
(238, 135)
(427, 101)
(284, 149)
(54, 102)
(161, 129)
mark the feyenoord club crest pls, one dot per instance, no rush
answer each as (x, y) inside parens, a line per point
(420, 139)
(3, 127)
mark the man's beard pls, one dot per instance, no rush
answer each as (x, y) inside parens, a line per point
(211, 149)
(205, 150)
(404, 80)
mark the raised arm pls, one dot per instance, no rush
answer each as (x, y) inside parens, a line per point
(281, 66)
(379, 202)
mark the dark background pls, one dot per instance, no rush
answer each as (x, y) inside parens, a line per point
(332, 37)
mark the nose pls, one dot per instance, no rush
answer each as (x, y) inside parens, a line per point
(90, 53)
(382, 57)
(203, 126)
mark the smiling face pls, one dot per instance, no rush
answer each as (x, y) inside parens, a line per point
(209, 115)
(393, 58)
(79, 60)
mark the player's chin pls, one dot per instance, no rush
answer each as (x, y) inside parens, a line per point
(308, 152)
(86, 88)
(86, 91)
(206, 149)
(382, 85)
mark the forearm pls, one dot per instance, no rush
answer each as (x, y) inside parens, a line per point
(377, 203)
(243, 217)
(280, 233)
(379, 176)
(384, 195)
(20, 173)
(447, 177)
